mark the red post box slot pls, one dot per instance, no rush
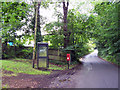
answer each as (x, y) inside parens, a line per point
(68, 57)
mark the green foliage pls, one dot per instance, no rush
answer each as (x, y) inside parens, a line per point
(101, 27)
(17, 52)
(78, 34)
(8, 52)
(14, 16)
(78, 50)
(41, 21)
(25, 53)
(107, 30)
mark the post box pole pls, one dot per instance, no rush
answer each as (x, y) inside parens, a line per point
(68, 59)
(68, 64)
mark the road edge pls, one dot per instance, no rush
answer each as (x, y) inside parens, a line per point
(109, 62)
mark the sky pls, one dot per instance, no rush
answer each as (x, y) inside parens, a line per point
(83, 9)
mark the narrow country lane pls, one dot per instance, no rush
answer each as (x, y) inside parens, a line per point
(97, 73)
(94, 73)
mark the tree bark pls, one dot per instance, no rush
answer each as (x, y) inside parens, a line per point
(66, 33)
(0, 48)
(35, 30)
(38, 34)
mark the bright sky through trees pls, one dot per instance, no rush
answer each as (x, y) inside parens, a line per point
(83, 9)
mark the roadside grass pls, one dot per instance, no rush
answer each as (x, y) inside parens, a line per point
(111, 60)
(61, 65)
(22, 60)
(20, 67)
(8, 75)
(25, 66)
(55, 67)
(5, 86)
(0, 83)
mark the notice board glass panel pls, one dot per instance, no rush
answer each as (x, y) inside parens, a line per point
(42, 62)
(43, 51)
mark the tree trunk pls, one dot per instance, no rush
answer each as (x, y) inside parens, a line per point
(66, 33)
(0, 48)
(38, 34)
(35, 30)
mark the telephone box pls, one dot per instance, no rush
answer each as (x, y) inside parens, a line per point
(42, 55)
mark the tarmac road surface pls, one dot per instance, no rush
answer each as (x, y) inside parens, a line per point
(96, 73)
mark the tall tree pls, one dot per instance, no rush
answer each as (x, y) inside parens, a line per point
(35, 30)
(38, 37)
(66, 32)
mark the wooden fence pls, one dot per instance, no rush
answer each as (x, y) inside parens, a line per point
(56, 54)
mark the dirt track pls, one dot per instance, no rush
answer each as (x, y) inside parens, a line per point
(34, 81)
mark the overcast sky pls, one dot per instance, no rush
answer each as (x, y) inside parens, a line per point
(73, 3)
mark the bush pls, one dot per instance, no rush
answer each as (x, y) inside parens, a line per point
(25, 53)
(77, 51)
(16, 52)
(8, 52)
(114, 58)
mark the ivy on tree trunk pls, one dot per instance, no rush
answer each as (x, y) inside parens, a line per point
(35, 30)
(66, 33)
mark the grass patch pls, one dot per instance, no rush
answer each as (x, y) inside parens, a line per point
(25, 66)
(8, 75)
(58, 65)
(0, 83)
(55, 67)
(5, 86)
(57, 62)
(20, 67)
(22, 60)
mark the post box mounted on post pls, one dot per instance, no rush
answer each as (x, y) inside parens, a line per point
(68, 59)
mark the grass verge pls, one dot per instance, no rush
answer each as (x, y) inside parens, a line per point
(14, 66)
(5, 86)
(61, 65)
(20, 67)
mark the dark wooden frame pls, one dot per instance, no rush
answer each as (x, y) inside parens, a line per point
(39, 44)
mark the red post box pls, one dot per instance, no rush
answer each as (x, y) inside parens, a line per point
(68, 57)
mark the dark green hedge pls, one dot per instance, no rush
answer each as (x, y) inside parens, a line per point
(16, 52)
